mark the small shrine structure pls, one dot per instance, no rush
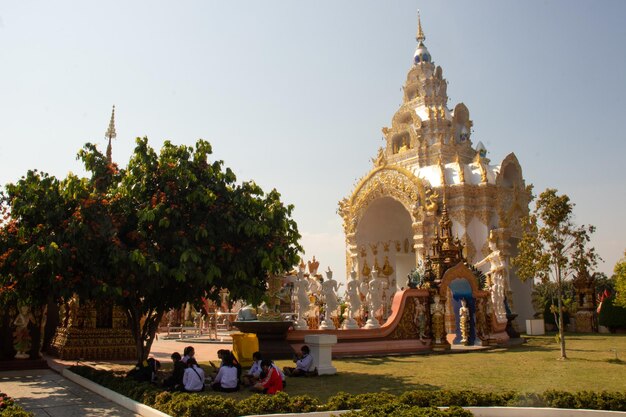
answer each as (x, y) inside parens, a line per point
(391, 215)
(93, 331)
(586, 319)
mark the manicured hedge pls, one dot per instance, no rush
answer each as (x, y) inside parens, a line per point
(410, 403)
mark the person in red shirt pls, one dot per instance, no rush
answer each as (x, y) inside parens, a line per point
(272, 383)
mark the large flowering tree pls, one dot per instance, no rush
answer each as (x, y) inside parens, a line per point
(170, 228)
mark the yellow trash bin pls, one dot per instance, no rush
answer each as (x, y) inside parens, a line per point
(244, 345)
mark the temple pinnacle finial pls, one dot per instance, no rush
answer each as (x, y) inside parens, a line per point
(420, 33)
(110, 133)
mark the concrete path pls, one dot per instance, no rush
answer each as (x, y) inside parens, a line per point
(46, 393)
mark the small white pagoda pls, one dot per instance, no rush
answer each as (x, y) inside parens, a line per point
(391, 217)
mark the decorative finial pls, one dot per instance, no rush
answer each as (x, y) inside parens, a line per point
(420, 33)
(110, 133)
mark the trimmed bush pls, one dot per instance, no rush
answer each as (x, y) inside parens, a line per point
(403, 410)
(411, 403)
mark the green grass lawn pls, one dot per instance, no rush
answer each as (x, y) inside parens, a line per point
(532, 367)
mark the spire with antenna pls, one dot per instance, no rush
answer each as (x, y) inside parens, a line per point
(420, 33)
(110, 134)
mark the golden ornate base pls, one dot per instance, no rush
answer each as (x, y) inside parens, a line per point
(440, 347)
(585, 321)
(93, 344)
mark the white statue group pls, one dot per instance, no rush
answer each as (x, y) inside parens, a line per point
(372, 291)
(305, 287)
(326, 291)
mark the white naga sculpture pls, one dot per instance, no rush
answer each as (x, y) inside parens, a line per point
(354, 301)
(374, 299)
(329, 294)
(301, 289)
(497, 275)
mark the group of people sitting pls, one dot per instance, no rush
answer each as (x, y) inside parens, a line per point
(263, 376)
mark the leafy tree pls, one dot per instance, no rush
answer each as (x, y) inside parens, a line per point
(552, 248)
(544, 298)
(170, 228)
(619, 277)
(604, 283)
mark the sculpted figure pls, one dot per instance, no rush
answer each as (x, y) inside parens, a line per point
(329, 292)
(420, 318)
(301, 288)
(22, 340)
(437, 310)
(481, 319)
(497, 274)
(329, 295)
(72, 311)
(464, 322)
(374, 299)
(354, 301)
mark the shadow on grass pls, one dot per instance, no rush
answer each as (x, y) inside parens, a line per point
(325, 386)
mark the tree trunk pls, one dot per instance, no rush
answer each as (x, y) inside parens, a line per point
(134, 321)
(559, 297)
(143, 334)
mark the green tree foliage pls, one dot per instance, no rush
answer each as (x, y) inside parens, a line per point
(170, 228)
(552, 248)
(604, 283)
(619, 277)
(544, 298)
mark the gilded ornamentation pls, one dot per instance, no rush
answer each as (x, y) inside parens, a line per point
(366, 271)
(387, 268)
(381, 159)
(460, 170)
(408, 328)
(437, 311)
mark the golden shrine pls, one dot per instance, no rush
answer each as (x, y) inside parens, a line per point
(391, 217)
(90, 331)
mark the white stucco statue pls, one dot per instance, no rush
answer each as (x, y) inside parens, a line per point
(498, 275)
(315, 287)
(301, 289)
(329, 295)
(374, 299)
(354, 301)
(22, 340)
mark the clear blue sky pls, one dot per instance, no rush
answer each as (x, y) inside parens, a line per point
(294, 94)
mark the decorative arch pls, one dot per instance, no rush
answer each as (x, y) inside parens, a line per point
(385, 181)
(510, 174)
(458, 271)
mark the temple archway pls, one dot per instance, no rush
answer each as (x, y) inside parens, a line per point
(384, 237)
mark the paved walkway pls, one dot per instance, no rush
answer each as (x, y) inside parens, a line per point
(46, 393)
